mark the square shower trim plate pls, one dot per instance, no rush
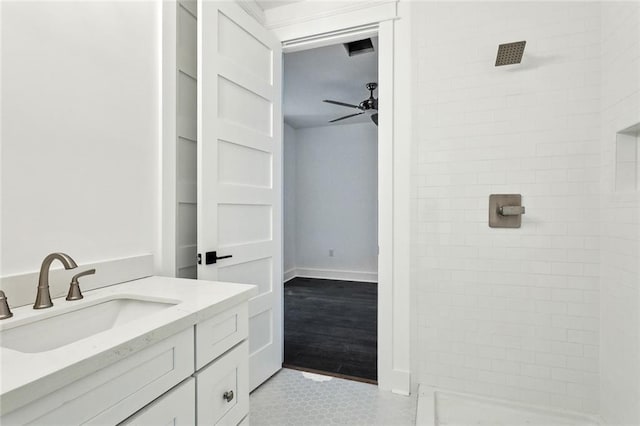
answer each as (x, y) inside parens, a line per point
(497, 220)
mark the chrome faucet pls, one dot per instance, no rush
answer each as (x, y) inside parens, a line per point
(43, 298)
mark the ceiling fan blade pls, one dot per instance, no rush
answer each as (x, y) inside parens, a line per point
(346, 116)
(341, 104)
(374, 118)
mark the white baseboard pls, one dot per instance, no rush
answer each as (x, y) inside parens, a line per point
(330, 274)
(401, 382)
(426, 409)
(289, 275)
(21, 288)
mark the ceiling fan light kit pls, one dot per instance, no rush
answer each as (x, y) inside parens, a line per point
(369, 104)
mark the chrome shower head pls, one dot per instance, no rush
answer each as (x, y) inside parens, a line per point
(510, 53)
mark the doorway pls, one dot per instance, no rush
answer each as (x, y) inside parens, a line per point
(331, 209)
(393, 150)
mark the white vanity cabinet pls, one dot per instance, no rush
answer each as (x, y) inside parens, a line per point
(113, 393)
(176, 407)
(222, 376)
(223, 388)
(218, 391)
(196, 376)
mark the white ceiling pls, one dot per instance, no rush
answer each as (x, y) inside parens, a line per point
(270, 4)
(327, 73)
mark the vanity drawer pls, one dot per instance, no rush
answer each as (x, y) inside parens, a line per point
(112, 394)
(223, 389)
(216, 335)
(177, 407)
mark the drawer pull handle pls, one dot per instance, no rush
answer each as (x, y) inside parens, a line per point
(228, 396)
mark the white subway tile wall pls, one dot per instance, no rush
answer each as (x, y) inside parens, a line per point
(508, 313)
(620, 252)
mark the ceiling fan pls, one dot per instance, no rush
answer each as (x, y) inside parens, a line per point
(368, 104)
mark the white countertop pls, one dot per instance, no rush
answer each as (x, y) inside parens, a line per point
(26, 377)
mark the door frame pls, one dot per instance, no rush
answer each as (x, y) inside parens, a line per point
(318, 20)
(300, 27)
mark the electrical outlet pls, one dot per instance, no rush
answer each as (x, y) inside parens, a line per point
(330, 252)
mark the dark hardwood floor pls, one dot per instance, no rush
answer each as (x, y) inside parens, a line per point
(331, 326)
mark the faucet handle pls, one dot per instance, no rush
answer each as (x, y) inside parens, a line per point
(5, 312)
(74, 288)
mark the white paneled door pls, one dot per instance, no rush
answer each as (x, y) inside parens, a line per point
(239, 169)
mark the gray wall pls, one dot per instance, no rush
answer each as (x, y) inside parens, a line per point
(289, 197)
(333, 202)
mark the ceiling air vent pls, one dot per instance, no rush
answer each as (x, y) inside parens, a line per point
(359, 47)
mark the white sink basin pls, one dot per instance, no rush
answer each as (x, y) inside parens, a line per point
(50, 332)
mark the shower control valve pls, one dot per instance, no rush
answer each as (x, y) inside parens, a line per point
(505, 210)
(511, 210)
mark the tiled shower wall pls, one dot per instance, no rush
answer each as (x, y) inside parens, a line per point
(620, 253)
(510, 313)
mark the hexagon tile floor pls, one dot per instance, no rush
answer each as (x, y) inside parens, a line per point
(295, 398)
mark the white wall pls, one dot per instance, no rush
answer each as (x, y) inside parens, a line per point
(620, 255)
(289, 200)
(510, 313)
(80, 131)
(335, 199)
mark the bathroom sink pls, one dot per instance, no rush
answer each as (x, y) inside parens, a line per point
(45, 333)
